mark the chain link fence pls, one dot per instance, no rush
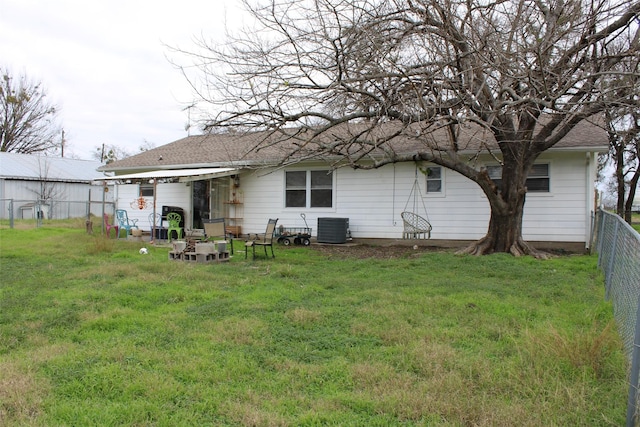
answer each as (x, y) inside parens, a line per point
(37, 213)
(618, 247)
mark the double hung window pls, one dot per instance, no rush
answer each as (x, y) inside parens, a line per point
(309, 189)
(538, 180)
(434, 179)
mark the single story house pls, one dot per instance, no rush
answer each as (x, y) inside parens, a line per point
(39, 186)
(222, 175)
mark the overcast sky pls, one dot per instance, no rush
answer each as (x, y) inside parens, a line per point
(104, 63)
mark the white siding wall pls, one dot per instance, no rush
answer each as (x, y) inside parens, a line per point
(562, 215)
(170, 194)
(461, 213)
(263, 195)
(374, 200)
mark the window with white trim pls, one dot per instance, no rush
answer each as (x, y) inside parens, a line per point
(146, 190)
(538, 180)
(434, 180)
(309, 189)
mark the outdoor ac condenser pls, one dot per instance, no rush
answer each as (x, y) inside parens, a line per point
(332, 230)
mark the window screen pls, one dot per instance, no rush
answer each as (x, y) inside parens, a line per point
(537, 182)
(309, 189)
(296, 192)
(434, 179)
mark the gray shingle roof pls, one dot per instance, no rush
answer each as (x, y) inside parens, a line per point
(217, 150)
(35, 167)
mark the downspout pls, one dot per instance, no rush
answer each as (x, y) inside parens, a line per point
(153, 226)
(589, 197)
(393, 197)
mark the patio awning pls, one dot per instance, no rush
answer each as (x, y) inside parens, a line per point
(184, 175)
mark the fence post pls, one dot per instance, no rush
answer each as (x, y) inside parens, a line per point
(38, 216)
(600, 221)
(612, 257)
(11, 213)
(593, 230)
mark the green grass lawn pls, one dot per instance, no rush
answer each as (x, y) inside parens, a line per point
(635, 221)
(94, 334)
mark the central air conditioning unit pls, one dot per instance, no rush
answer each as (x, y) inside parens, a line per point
(333, 230)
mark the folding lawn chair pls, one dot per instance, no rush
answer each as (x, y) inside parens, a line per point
(263, 240)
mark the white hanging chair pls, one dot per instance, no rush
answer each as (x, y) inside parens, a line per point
(415, 226)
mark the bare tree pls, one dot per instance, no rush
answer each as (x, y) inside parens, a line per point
(623, 125)
(27, 119)
(624, 153)
(357, 77)
(47, 190)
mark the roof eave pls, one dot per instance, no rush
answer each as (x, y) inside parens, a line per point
(46, 179)
(252, 164)
(585, 149)
(106, 168)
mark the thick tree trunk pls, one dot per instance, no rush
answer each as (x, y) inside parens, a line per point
(504, 235)
(633, 183)
(507, 201)
(620, 184)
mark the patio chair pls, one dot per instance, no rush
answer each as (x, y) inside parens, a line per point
(415, 226)
(216, 228)
(262, 240)
(155, 222)
(124, 223)
(174, 220)
(108, 226)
